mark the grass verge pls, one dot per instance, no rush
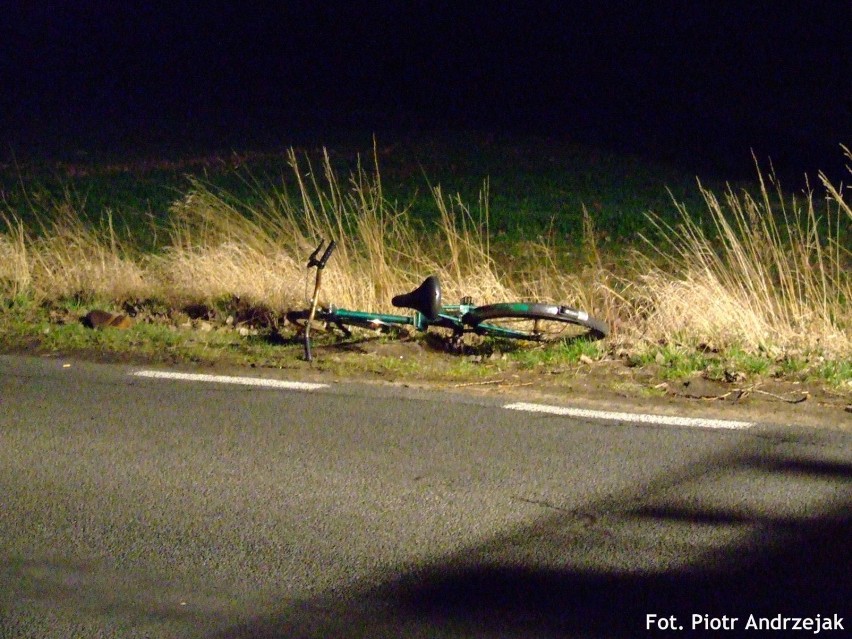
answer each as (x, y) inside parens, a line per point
(755, 284)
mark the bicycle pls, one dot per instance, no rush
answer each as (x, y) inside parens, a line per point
(531, 321)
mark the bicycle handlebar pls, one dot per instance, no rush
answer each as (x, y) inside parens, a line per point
(320, 262)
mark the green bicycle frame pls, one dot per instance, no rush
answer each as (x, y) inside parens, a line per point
(451, 317)
(460, 319)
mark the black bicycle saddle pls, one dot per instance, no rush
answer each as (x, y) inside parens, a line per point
(425, 299)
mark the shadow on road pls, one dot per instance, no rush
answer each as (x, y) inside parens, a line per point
(779, 546)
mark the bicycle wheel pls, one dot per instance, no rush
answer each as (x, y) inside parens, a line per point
(535, 322)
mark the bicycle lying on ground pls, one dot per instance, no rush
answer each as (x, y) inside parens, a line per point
(533, 321)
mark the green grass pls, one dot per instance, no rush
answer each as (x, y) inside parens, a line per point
(837, 373)
(557, 355)
(735, 364)
(673, 362)
(25, 325)
(537, 187)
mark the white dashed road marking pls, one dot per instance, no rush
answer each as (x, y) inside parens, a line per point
(228, 379)
(659, 420)
(663, 420)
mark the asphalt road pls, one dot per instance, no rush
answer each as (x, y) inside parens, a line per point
(133, 507)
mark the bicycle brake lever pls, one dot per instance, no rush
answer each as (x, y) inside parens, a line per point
(312, 260)
(319, 262)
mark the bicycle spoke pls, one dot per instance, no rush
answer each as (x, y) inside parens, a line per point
(537, 329)
(535, 322)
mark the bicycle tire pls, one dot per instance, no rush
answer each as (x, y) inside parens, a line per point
(536, 322)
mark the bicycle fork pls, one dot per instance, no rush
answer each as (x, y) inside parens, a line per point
(319, 263)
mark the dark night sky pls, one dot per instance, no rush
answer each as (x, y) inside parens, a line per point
(702, 82)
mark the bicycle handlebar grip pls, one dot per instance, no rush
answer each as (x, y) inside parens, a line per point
(328, 251)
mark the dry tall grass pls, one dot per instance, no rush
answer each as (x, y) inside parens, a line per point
(15, 275)
(220, 246)
(67, 258)
(771, 278)
(767, 276)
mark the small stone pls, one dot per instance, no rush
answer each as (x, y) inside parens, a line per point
(732, 377)
(104, 319)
